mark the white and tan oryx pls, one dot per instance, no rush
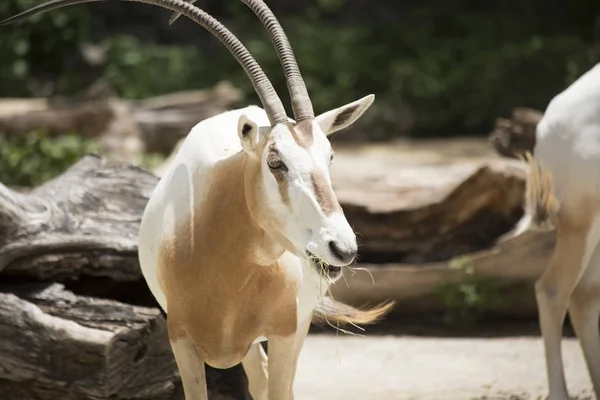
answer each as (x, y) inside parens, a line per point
(243, 234)
(563, 190)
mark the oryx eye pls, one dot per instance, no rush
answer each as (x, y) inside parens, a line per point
(275, 163)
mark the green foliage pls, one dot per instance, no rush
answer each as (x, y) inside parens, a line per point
(32, 52)
(35, 158)
(150, 161)
(137, 70)
(467, 300)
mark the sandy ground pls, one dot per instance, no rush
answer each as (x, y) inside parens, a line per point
(407, 367)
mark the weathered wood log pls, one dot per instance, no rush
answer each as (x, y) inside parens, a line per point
(88, 113)
(503, 275)
(164, 120)
(424, 212)
(53, 342)
(124, 129)
(58, 345)
(515, 136)
(83, 223)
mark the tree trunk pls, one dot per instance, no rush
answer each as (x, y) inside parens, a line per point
(83, 223)
(54, 344)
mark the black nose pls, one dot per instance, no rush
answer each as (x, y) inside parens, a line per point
(344, 255)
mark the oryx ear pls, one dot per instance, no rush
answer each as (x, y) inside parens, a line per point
(341, 117)
(248, 133)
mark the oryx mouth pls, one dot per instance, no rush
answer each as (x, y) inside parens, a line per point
(323, 268)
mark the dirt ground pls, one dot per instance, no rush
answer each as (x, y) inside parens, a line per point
(405, 366)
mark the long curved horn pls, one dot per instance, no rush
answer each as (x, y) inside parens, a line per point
(301, 103)
(271, 102)
(176, 15)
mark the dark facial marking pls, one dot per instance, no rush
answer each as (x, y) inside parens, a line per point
(324, 193)
(279, 174)
(342, 117)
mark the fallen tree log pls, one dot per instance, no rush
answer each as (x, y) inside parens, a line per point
(58, 345)
(83, 223)
(53, 342)
(124, 129)
(422, 213)
(164, 120)
(503, 276)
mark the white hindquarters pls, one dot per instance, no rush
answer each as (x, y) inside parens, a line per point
(564, 189)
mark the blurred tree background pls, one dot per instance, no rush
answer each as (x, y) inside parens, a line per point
(438, 67)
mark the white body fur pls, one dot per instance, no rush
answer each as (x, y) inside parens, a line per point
(209, 141)
(567, 150)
